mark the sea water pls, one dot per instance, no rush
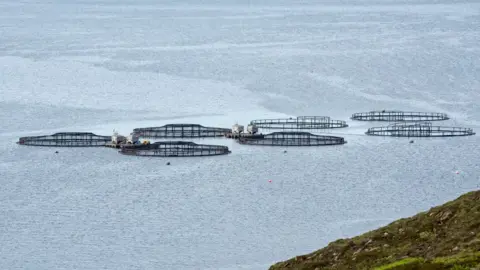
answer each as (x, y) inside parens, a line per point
(102, 65)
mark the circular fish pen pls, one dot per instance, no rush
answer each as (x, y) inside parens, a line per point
(174, 149)
(66, 139)
(399, 116)
(180, 131)
(292, 139)
(420, 129)
(301, 122)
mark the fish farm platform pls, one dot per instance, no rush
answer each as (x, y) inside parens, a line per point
(420, 129)
(174, 149)
(301, 122)
(293, 139)
(180, 131)
(399, 116)
(66, 139)
(116, 145)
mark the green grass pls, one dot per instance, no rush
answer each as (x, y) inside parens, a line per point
(463, 261)
(466, 260)
(408, 262)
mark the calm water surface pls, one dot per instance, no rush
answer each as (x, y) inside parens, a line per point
(103, 65)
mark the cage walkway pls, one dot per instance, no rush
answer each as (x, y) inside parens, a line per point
(180, 131)
(174, 149)
(293, 139)
(420, 129)
(301, 122)
(399, 116)
(66, 139)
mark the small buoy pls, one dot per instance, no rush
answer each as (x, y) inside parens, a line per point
(457, 172)
(269, 181)
(168, 163)
(411, 141)
(285, 151)
(56, 152)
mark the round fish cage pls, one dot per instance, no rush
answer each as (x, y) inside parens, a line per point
(399, 116)
(292, 139)
(174, 149)
(66, 139)
(418, 129)
(180, 131)
(301, 122)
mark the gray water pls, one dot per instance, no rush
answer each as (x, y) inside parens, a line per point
(103, 65)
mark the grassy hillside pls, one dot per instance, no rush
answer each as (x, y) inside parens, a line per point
(445, 237)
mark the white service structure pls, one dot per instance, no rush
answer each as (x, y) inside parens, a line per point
(116, 138)
(237, 129)
(252, 129)
(133, 138)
